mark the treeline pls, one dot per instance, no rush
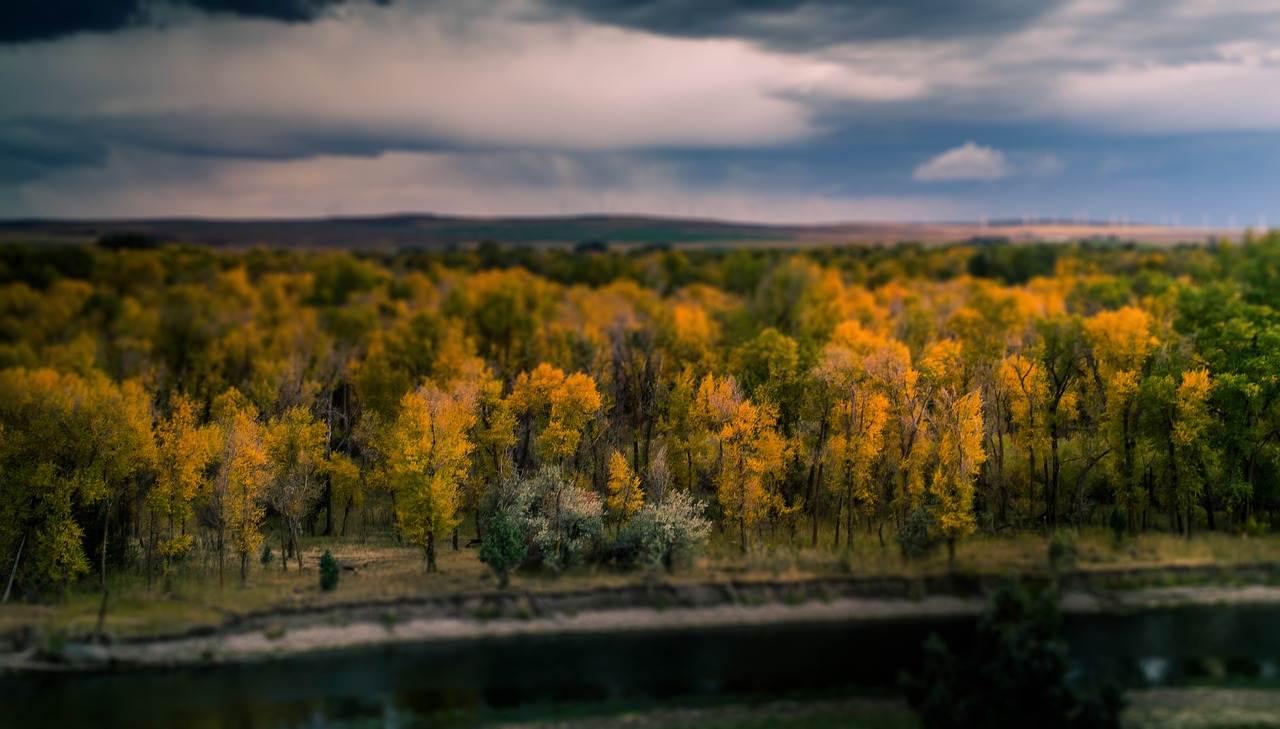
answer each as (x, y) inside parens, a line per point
(162, 401)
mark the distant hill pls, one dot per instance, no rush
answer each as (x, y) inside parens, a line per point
(420, 231)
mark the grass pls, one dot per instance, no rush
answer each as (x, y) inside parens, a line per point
(387, 571)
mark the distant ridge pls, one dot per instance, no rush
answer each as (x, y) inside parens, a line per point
(403, 231)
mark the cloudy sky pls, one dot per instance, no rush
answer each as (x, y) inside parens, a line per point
(770, 110)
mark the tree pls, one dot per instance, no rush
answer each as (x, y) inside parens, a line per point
(752, 455)
(503, 547)
(428, 452)
(958, 424)
(561, 404)
(625, 494)
(1122, 342)
(346, 484)
(1023, 382)
(295, 445)
(70, 443)
(184, 450)
(239, 486)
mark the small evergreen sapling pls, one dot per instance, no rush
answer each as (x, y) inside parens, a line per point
(503, 548)
(329, 572)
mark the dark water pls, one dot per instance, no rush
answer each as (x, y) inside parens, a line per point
(462, 682)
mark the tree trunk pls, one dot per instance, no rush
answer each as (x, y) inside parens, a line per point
(848, 530)
(813, 501)
(244, 569)
(222, 559)
(1055, 474)
(839, 513)
(297, 553)
(431, 551)
(14, 572)
(106, 524)
(951, 554)
(284, 548)
(328, 510)
(346, 512)
(455, 538)
(742, 533)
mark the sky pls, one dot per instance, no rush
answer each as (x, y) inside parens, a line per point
(1164, 111)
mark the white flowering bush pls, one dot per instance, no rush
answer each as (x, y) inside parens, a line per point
(664, 533)
(561, 523)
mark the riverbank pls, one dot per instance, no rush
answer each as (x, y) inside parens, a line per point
(653, 605)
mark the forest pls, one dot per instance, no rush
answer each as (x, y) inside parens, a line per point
(173, 409)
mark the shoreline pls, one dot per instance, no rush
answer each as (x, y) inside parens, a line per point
(654, 606)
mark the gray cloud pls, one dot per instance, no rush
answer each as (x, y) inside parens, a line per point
(796, 25)
(39, 20)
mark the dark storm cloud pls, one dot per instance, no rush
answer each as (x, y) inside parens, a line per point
(809, 24)
(36, 20)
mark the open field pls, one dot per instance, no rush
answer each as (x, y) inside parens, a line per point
(435, 232)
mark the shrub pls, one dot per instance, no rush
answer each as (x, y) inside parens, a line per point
(1119, 522)
(919, 534)
(560, 523)
(662, 534)
(329, 572)
(1063, 550)
(1016, 674)
(266, 556)
(503, 547)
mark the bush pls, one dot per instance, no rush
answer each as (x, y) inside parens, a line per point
(561, 524)
(661, 534)
(329, 572)
(919, 534)
(1015, 676)
(1119, 522)
(1063, 550)
(266, 556)
(503, 547)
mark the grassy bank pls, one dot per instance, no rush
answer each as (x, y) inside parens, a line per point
(381, 571)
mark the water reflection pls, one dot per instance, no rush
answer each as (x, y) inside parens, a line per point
(524, 677)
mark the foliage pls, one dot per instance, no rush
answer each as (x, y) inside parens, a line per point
(198, 398)
(1063, 550)
(503, 547)
(561, 523)
(625, 495)
(664, 533)
(330, 572)
(428, 452)
(1015, 675)
(919, 536)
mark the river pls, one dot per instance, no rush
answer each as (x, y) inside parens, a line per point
(525, 676)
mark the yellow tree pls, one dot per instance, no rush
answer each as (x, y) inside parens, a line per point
(753, 454)
(1192, 454)
(892, 374)
(494, 436)
(428, 452)
(625, 495)
(184, 450)
(295, 444)
(858, 441)
(239, 486)
(959, 432)
(346, 484)
(1023, 382)
(562, 405)
(1122, 343)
